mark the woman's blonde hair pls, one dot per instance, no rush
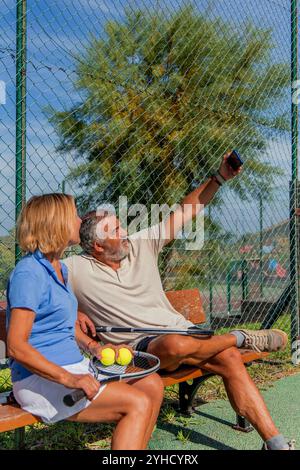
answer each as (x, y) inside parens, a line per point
(45, 223)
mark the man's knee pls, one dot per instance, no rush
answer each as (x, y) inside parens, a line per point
(227, 364)
(173, 346)
(230, 357)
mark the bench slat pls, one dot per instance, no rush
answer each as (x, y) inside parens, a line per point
(13, 417)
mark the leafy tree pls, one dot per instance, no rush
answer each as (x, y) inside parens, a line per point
(165, 97)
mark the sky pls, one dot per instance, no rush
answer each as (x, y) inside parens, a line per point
(60, 29)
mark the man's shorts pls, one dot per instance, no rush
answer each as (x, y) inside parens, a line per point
(143, 344)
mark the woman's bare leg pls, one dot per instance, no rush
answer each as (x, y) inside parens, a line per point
(126, 405)
(153, 387)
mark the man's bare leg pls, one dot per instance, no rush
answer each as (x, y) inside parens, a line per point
(242, 392)
(173, 349)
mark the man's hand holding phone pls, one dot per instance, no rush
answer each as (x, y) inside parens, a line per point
(231, 165)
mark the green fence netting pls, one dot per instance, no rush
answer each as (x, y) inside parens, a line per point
(141, 99)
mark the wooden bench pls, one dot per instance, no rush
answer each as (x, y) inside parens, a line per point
(12, 417)
(189, 304)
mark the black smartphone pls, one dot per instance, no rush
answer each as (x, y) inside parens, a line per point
(234, 160)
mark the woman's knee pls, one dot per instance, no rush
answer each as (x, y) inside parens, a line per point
(154, 386)
(121, 399)
(156, 383)
(141, 403)
(134, 397)
(157, 389)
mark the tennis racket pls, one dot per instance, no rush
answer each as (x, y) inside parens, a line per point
(192, 331)
(142, 364)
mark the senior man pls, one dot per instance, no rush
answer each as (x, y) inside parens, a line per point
(117, 282)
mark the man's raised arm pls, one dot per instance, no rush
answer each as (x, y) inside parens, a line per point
(194, 202)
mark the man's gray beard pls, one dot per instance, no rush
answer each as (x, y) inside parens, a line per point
(120, 256)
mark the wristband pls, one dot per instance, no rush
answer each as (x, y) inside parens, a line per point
(219, 178)
(213, 178)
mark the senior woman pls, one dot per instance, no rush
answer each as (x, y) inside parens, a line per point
(44, 339)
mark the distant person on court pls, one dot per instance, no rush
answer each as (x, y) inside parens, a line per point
(44, 336)
(117, 282)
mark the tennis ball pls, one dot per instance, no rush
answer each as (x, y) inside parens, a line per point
(108, 357)
(124, 357)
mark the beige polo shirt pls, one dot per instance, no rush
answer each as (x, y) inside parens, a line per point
(131, 296)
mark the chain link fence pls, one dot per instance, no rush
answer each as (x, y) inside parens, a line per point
(142, 98)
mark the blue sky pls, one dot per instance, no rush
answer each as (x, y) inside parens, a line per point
(57, 30)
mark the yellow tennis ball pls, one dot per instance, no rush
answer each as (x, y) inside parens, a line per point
(108, 357)
(124, 357)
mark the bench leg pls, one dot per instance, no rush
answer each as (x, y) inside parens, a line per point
(242, 424)
(20, 438)
(187, 393)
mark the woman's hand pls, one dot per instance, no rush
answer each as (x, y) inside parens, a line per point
(86, 382)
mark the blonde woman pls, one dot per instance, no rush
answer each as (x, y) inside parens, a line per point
(44, 337)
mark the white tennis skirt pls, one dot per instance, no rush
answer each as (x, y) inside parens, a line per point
(44, 398)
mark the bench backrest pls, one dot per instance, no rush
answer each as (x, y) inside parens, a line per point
(187, 302)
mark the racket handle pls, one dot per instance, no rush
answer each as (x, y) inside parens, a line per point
(74, 397)
(200, 332)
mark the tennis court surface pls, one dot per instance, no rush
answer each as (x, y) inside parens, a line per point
(210, 426)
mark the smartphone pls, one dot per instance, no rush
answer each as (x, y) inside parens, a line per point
(234, 160)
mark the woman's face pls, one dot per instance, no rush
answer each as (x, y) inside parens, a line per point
(75, 236)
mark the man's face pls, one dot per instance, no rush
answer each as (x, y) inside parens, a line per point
(112, 238)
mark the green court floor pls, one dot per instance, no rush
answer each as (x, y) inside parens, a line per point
(210, 426)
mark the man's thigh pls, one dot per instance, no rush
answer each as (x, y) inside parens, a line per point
(173, 350)
(176, 350)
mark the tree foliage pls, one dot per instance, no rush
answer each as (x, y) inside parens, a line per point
(164, 98)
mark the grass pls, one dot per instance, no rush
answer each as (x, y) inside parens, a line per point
(77, 436)
(183, 436)
(168, 414)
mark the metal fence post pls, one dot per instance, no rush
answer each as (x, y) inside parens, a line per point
(261, 277)
(293, 193)
(20, 113)
(210, 270)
